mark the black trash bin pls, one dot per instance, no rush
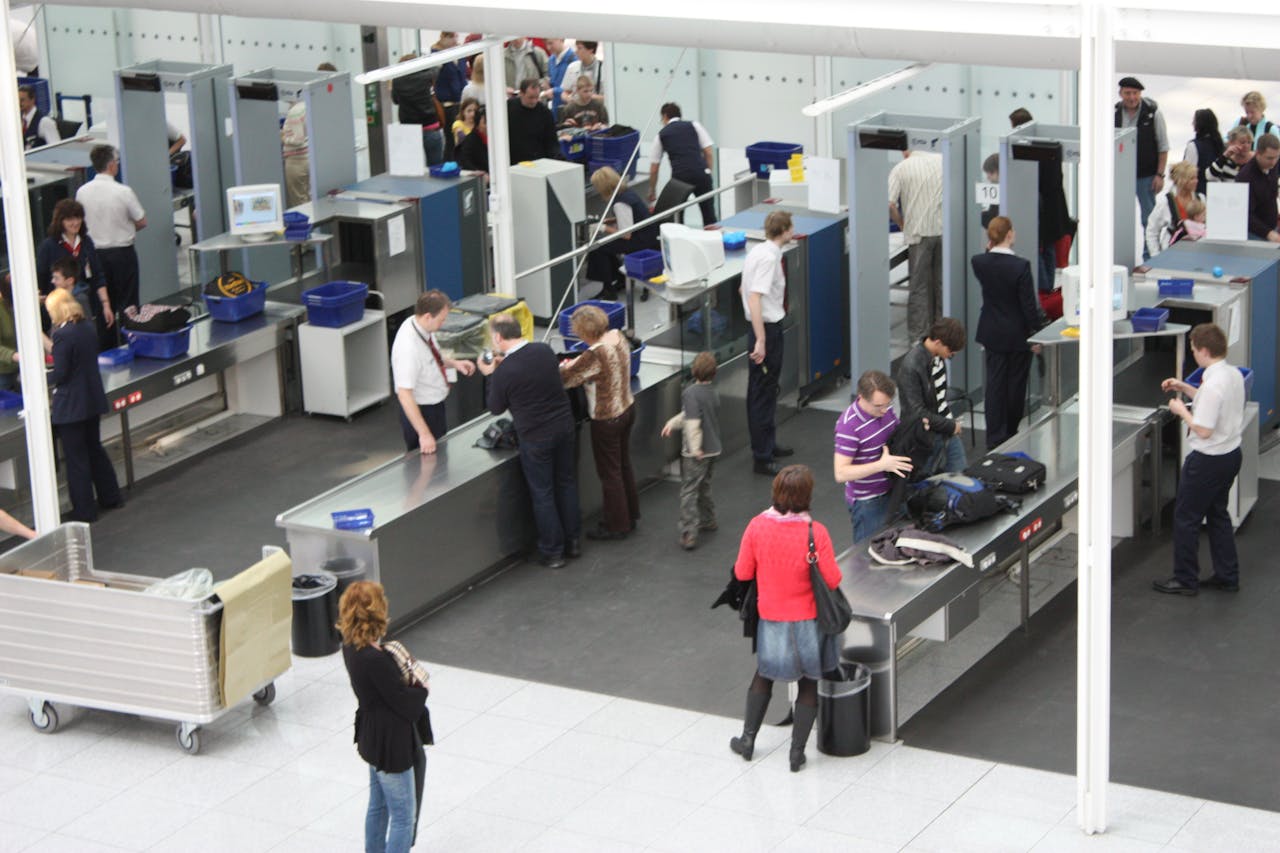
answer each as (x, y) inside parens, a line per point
(844, 719)
(315, 610)
(877, 662)
(347, 570)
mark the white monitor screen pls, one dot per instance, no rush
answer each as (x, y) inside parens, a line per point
(254, 209)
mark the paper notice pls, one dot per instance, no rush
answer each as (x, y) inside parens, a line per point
(823, 175)
(1227, 217)
(395, 235)
(405, 155)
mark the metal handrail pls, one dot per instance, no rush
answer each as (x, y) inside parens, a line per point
(618, 235)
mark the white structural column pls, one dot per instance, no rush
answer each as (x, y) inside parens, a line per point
(1097, 249)
(495, 96)
(26, 308)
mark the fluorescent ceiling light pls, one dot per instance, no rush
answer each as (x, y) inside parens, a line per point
(857, 93)
(431, 60)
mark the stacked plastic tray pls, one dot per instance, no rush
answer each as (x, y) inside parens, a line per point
(297, 226)
(336, 304)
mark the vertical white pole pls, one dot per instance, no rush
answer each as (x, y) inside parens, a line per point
(495, 96)
(822, 88)
(26, 307)
(1097, 251)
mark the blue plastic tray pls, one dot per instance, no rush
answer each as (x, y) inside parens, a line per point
(10, 400)
(336, 304)
(352, 519)
(162, 345)
(1149, 319)
(233, 309)
(734, 240)
(115, 357)
(1175, 286)
(1195, 377)
(615, 311)
(645, 263)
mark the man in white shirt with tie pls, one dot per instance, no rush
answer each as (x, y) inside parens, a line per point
(37, 128)
(421, 373)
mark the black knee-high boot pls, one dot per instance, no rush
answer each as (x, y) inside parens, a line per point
(805, 715)
(757, 704)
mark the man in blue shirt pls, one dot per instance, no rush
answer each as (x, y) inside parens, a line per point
(559, 55)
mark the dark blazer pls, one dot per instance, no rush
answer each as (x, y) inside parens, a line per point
(388, 709)
(473, 152)
(1010, 313)
(916, 393)
(75, 380)
(528, 383)
(51, 249)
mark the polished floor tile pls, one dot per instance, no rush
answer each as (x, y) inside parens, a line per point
(961, 829)
(599, 759)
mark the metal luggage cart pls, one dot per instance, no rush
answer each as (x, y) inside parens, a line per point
(71, 639)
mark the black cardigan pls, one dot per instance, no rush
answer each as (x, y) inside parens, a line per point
(389, 708)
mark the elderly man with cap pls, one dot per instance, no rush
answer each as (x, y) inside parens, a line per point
(1135, 110)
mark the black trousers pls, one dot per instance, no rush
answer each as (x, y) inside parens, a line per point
(437, 421)
(611, 447)
(1203, 491)
(701, 183)
(88, 468)
(1006, 393)
(762, 391)
(120, 267)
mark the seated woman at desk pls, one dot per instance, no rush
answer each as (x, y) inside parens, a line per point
(585, 109)
(604, 263)
(76, 408)
(1010, 314)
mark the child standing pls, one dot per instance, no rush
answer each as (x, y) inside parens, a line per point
(700, 421)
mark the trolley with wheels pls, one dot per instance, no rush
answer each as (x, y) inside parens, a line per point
(76, 636)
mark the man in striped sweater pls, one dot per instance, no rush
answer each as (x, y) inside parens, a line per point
(862, 459)
(922, 389)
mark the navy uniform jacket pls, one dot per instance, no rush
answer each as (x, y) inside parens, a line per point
(1010, 311)
(76, 382)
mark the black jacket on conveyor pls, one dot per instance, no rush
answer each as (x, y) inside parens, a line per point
(388, 711)
(916, 437)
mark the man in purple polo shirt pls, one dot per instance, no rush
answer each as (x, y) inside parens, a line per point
(862, 459)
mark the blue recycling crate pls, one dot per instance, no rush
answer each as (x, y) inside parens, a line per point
(764, 157)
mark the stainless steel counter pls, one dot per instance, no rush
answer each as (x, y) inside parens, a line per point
(888, 604)
(445, 521)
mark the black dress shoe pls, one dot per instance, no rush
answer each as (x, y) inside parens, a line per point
(604, 534)
(1219, 584)
(781, 450)
(1173, 586)
(573, 548)
(768, 468)
(551, 561)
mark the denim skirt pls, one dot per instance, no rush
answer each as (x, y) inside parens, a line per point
(789, 651)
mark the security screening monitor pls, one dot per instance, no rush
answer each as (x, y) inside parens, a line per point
(254, 211)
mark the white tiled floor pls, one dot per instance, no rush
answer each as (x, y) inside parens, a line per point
(532, 767)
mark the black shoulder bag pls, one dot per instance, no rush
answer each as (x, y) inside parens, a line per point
(834, 612)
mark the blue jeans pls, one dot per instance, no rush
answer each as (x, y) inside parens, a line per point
(433, 145)
(948, 456)
(1146, 202)
(868, 516)
(389, 822)
(553, 485)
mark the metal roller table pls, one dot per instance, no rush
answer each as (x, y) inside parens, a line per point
(888, 603)
(443, 522)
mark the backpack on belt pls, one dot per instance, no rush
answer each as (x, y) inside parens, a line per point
(945, 500)
(1015, 473)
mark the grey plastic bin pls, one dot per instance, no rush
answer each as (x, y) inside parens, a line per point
(315, 610)
(844, 719)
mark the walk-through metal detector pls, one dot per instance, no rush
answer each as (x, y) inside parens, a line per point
(258, 101)
(1021, 153)
(875, 143)
(144, 157)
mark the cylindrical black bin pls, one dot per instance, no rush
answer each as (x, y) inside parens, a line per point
(347, 570)
(881, 691)
(315, 610)
(844, 719)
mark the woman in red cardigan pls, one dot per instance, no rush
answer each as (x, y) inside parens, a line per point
(789, 646)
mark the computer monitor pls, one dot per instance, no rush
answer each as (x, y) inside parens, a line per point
(254, 211)
(689, 254)
(1120, 287)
